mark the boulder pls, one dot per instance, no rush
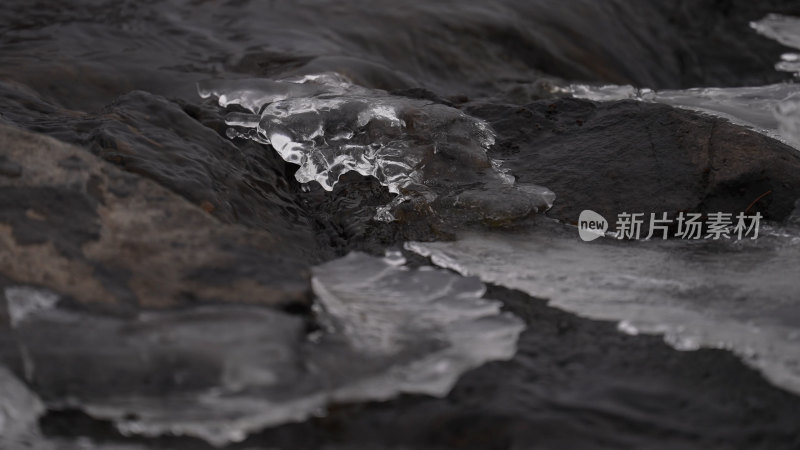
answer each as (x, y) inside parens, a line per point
(106, 238)
(635, 157)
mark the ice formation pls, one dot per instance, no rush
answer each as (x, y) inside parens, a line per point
(417, 148)
(737, 296)
(24, 300)
(19, 411)
(219, 373)
(329, 126)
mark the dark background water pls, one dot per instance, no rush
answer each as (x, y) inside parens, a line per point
(83, 54)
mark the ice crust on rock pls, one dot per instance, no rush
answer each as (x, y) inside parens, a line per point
(221, 372)
(19, 410)
(330, 126)
(736, 295)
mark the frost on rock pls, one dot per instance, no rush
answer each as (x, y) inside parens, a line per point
(221, 372)
(329, 126)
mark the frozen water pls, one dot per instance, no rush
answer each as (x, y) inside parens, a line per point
(219, 373)
(738, 298)
(19, 411)
(737, 295)
(385, 310)
(329, 126)
(420, 150)
(23, 300)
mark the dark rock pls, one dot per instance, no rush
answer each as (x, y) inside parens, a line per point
(69, 231)
(421, 94)
(179, 148)
(182, 147)
(9, 169)
(637, 157)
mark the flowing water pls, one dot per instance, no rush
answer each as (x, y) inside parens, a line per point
(772, 109)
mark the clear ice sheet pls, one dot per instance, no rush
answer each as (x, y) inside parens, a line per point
(329, 126)
(19, 412)
(222, 372)
(740, 296)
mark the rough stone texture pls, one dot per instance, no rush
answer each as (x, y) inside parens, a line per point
(635, 157)
(114, 240)
(178, 147)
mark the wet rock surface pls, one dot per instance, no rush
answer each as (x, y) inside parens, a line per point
(630, 156)
(176, 145)
(113, 240)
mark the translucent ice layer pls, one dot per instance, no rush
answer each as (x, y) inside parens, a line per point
(19, 411)
(219, 373)
(330, 126)
(738, 295)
